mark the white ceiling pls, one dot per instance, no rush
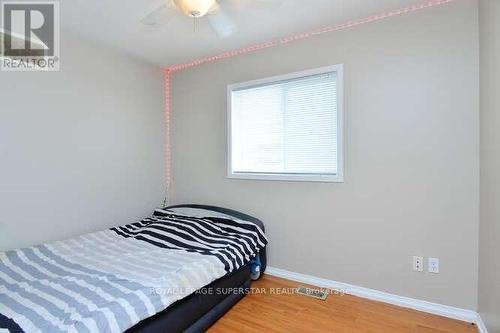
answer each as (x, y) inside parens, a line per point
(117, 23)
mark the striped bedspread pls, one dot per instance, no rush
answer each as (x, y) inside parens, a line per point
(110, 280)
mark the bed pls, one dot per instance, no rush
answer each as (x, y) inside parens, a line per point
(177, 271)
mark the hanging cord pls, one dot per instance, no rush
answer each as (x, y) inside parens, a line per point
(165, 199)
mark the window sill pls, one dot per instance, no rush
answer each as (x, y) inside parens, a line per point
(287, 177)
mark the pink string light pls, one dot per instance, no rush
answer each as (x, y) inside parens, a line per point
(168, 152)
(304, 35)
(169, 71)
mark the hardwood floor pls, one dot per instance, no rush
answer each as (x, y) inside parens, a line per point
(271, 311)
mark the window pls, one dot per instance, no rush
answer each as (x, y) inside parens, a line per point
(287, 127)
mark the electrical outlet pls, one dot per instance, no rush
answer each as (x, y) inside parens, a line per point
(418, 264)
(433, 265)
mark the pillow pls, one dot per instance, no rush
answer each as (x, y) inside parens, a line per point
(201, 212)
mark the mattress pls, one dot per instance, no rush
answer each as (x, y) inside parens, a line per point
(112, 280)
(190, 311)
(197, 312)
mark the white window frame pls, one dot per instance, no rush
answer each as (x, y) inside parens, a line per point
(339, 177)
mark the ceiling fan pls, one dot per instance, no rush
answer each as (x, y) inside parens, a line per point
(213, 10)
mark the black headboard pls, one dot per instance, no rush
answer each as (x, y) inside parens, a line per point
(238, 215)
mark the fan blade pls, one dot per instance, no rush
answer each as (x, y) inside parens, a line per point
(221, 23)
(160, 15)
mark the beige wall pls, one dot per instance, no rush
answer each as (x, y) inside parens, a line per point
(80, 149)
(412, 174)
(489, 253)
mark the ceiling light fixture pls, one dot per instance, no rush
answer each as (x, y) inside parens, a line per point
(195, 8)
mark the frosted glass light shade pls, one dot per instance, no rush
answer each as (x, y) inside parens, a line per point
(195, 8)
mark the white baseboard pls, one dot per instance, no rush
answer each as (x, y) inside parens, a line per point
(407, 302)
(480, 325)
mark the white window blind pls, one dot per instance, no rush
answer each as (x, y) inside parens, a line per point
(287, 127)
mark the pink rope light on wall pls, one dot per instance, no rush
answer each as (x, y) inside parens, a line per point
(169, 71)
(168, 152)
(316, 32)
